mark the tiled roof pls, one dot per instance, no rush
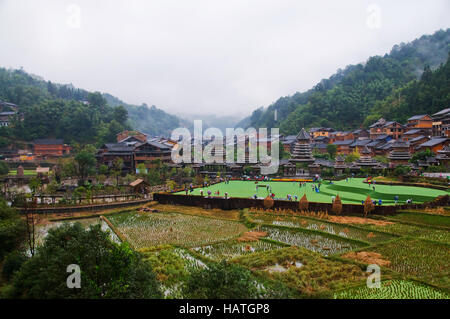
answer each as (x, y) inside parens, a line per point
(303, 135)
(382, 137)
(374, 143)
(418, 138)
(319, 145)
(444, 111)
(346, 142)
(417, 117)
(119, 147)
(433, 142)
(413, 131)
(360, 142)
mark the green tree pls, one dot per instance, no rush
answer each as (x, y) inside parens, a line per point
(221, 281)
(103, 169)
(331, 150)
(35, 185)
(4, 169)
(108, 270)
(421, 156)
(117, 169)
(142, 169)
(85, 163)
(12, 229)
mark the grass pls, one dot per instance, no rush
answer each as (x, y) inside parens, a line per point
(152, 229)
(422, 232)
(352, 191)
(214, 213)
(233, 249)
(302, 270)
(423, 218)
(423, 259)
(26, 172)
(311, 240)
(172, 267)
(179, 239)
(393, 289)
(345, 231)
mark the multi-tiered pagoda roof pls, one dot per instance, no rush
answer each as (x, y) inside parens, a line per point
(302, 149)
(366, 160)
(400, 153)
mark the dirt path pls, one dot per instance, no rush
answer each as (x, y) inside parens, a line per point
(357, 220)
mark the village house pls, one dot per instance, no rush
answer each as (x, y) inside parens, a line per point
(150, 151)
(50, 148)
(415, 142)
(359, 145)
(424, 122)
(319, 147)
(6, 117)
(393, 129)
(320, 131)
(133, 152)
(441, 123)
(361, 134)
(435, 144)
(7, 112)
(400, 154)
(340, 136)
(443, 156)
(322, 139)
(343, 147)
(109, 152)
(376, 129)
(137, 135)
(413, 133)
(288, 143)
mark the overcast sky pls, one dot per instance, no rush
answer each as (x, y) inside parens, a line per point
(205, 56)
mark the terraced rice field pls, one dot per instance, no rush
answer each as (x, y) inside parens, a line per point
(417, 231)
(352, 191)
(314, 242)
(302, 270)
(230, 250)
(427, 260)
(172, 267)
(422, 218)
(152, 229)
(394, 289)
(324, 226)
(325, 258)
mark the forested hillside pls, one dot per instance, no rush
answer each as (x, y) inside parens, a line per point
(355, 96)
(427, 96)
(150, 120)
(59, 111)
(75, 115)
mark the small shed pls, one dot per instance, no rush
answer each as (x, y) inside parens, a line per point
(139, 186)
(20, 171)
(41, 171)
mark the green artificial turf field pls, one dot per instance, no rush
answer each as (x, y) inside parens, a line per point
(352, 191)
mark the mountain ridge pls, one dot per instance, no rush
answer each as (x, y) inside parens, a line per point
(347, 98)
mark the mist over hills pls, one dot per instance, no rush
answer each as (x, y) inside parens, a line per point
(350, 98)
(410, 79)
